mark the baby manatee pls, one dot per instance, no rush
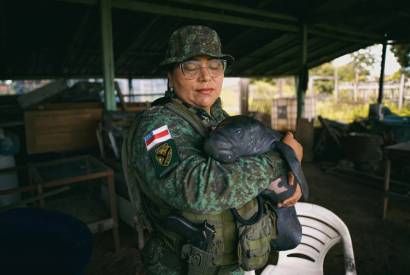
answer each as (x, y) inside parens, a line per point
(242, 136)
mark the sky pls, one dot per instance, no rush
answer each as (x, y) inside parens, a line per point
(391, 63)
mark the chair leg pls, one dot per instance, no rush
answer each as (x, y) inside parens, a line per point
(386, 187)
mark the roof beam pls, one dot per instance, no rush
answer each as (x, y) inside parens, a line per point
(274, 58)
(332, 55)
(340, 33)
(195, 14)
(3, 27)
(262, 52)
(239, 9)
(278, 16)
(292, 67)
(290, 25)
(136, 43)
(71, 49)
(312, 55)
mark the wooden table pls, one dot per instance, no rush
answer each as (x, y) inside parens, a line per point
(393, 152)
(68, 171)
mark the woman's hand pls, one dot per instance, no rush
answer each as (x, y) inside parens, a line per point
(292, 200)
(294, 144)
(298, 149)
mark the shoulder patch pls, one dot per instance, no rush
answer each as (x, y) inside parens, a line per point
(163, 154)
(164, 157)
(157, 136)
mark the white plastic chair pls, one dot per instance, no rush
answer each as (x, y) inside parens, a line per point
(321, 230)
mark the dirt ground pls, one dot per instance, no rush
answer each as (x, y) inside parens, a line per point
(380, 247)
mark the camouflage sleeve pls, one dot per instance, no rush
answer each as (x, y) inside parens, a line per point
(199, 183)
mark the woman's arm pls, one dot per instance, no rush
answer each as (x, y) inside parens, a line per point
(199, 183)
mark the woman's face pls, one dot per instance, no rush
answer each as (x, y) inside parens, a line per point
(198, 82)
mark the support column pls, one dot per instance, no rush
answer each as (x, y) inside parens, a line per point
(381, 79)
(244, 92)
(401, 91)
(130, 90)
(303, 76)
(108, 55)
(336, 81)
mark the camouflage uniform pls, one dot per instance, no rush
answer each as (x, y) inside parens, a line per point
(193, 182)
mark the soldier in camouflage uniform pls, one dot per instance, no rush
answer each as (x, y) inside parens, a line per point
(166, 152)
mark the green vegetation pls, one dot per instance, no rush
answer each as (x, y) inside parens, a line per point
(263, 91)
(343, 112)
(402, 53)
(350, 105)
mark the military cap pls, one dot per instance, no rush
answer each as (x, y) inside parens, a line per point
(193, 40)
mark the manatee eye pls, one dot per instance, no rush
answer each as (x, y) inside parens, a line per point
(238, 132)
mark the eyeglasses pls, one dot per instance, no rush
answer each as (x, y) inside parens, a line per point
(191, 68)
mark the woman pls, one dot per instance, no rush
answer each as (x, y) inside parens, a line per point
(178, 179)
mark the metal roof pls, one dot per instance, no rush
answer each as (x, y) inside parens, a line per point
(53, 39)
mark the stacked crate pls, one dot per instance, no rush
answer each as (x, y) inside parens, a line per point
(284, 112)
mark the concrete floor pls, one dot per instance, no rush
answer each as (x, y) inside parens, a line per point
(381, 247)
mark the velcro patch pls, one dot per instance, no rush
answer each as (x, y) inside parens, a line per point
(157, 136)
(164, 157)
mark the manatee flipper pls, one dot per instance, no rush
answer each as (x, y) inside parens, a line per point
(279, 190)
(289, 230)
(294, 164)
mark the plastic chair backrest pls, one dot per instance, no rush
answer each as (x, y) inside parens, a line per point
(321, 230)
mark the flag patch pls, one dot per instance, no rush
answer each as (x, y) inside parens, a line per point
(157, 136)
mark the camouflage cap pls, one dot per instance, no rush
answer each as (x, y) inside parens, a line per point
(190, 41)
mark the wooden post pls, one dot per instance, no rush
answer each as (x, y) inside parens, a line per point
(386, 186)
(108, 55)
(381, 79)
(310, 85)
(280, 84)
(336, 88)
(244, 92)
(356, 84)
(130, 90)
(303, 77)
(113, 210)
(401, 91)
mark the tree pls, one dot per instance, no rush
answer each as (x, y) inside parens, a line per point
(362, 62)
(346, 72)
(402, 53)
(321, 75)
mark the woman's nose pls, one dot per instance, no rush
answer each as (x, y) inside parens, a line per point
(204, 74)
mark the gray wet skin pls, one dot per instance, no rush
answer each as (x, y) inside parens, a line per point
(240, 136)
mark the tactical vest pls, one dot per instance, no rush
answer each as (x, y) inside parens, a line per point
(228, 233)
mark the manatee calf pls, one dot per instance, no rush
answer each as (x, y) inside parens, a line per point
(240, 136)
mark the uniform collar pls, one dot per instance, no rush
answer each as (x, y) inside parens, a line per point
(215, 108)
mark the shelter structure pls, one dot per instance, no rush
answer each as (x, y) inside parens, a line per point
(127, 38)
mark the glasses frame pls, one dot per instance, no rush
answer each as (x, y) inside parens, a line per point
(224, 64)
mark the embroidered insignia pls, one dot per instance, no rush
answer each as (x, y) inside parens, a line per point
(157, 136)
(163, 154)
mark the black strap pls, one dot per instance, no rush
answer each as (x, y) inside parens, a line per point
(175, 106)
(183, 111)
(255, 218)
